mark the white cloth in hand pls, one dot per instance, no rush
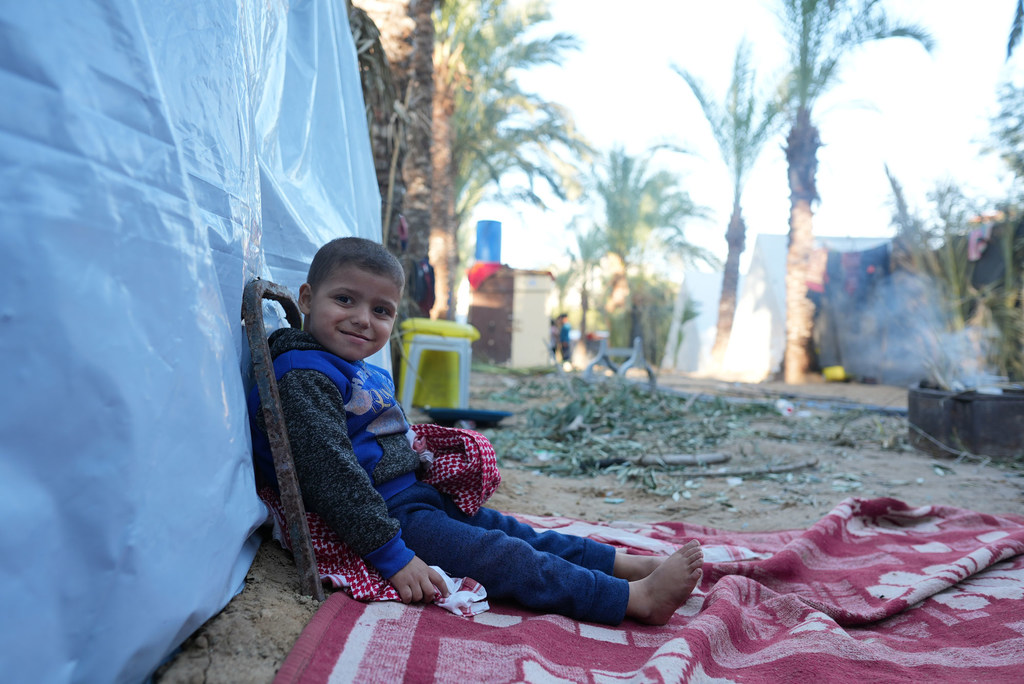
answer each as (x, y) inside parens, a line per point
(465, 595)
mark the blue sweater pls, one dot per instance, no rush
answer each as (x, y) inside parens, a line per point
(347, 435)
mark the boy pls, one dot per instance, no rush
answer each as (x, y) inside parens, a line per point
(357, 469)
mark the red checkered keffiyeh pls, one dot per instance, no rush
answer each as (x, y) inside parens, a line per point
(464, 467)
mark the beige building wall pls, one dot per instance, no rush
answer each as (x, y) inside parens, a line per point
(531, 327)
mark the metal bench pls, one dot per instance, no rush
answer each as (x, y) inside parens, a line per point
(634, 358)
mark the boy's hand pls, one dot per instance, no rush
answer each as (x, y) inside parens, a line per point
(418, 582)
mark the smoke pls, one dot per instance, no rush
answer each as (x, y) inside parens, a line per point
(900, 335)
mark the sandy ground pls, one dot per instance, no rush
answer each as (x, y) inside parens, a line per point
(868, 457)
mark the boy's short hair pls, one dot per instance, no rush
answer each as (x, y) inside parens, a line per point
(359, 252)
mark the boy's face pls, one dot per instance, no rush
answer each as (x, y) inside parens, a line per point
(351, 312)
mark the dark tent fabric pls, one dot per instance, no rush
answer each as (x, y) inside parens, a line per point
(864, 318)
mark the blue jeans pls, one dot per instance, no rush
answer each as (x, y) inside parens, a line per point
(546, 571)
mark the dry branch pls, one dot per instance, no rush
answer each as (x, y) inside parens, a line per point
(682, 459)
(740, 472)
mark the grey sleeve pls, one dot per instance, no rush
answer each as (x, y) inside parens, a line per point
(333, 483)
(398, 458)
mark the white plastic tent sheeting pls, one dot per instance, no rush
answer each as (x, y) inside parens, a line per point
(690, 343)
(759, 324)
(758, 339)
(153, 159)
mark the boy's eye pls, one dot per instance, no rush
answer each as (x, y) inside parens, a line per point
(382, 311)
(343, 299)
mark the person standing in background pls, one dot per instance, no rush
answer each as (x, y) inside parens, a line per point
(564, 330)
(554, 337)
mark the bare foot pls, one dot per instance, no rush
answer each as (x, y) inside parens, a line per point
(653, 599)
(633, 567)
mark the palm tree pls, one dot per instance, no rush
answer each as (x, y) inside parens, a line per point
(487, 129)
(384, 112)
(1008, 128)
(1016, 29)
(643, 210)
(741, 124)
(589, 249)
(394, 42)
(417, 168)
(820, 33)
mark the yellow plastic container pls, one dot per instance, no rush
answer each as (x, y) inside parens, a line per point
(438, 382)
(834, 373)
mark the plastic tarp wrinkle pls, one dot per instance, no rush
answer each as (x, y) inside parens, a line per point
(151, 163)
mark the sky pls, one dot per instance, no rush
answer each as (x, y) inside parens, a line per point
(924, 115)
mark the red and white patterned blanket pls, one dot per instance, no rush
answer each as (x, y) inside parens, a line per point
(874, 591)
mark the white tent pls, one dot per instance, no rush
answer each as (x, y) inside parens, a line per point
(689, 344)
(154, 158)
(758, 337)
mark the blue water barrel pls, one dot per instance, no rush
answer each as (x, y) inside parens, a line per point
(488, 241)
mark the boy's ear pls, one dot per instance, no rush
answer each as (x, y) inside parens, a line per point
(305, 297)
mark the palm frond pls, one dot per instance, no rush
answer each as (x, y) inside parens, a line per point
(743, 121)
(502, 132)
(375, 72)
(821, 33)
(1016, 29)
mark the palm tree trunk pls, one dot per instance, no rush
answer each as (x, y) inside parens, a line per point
(393, 140)
(801, 154)
(384, 125)
(417, 168)
(382, 70)
(618, 297)
(442, 243)
(636, 325)
(585, 309)
(735, 236)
